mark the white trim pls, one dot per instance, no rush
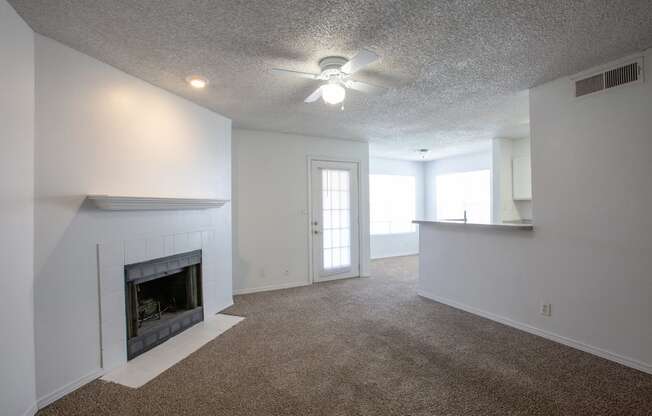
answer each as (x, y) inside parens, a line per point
(270, 287)
(139, 203)
(416, 231)
(335, 277)
(68, 388)
(626, 361)
(72, 386)
(309, 218)
(314, 158)
(31, 410)
(391, 256)
(221, 308)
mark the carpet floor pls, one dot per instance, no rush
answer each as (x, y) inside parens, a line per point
(371, 346)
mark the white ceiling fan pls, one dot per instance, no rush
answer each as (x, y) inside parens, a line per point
(336, 73)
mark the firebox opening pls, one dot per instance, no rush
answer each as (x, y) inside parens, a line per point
(163, 298)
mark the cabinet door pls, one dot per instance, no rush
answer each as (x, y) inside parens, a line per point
(521, 178)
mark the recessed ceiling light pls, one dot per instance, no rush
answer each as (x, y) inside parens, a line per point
(197, 82)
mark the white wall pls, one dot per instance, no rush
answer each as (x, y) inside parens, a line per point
(457, 164)
(404, 244)
(589, 255)
(17, 396)
(270, 208)
(101, 131)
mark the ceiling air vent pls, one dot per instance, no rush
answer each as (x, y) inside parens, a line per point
(624, 74)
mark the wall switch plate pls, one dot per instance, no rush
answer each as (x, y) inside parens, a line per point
(546, 309)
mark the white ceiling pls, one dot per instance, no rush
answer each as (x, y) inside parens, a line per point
(461, 131)
(455, 70)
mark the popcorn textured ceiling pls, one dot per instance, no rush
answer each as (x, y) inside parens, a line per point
(455, 70)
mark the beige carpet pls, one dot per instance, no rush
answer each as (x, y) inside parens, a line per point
(372, 347)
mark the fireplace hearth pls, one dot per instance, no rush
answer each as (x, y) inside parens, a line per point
(163, 298)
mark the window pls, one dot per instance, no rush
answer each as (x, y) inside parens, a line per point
(336, 218)
(468, 191)
(392, 201)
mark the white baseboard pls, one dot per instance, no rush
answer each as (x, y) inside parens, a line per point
(626, 361)
(68, 388)
(270, 287)
(391, 256)
(221, 308)
(333, 278)
(31, 411)
(72, 386)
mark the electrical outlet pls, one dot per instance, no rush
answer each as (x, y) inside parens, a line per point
(546, 309)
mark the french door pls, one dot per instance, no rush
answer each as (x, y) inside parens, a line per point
(334, 220)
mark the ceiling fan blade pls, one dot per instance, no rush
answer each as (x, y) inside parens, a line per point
(294, 73)
(364, 87)
(314, 96)
(359, 61)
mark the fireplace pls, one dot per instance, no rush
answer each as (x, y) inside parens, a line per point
(162, 298)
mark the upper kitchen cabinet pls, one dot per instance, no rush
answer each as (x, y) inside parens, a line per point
(521, 178)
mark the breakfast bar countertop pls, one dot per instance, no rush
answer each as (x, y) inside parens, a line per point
(486, 226)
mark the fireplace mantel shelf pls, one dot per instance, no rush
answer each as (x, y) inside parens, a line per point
(140, 203)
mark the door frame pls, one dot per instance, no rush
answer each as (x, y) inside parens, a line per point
(358, 163)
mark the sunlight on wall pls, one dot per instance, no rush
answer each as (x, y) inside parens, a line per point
(467, 191)
(392, 203)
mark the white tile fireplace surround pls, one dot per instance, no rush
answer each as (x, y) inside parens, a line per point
(114, 255)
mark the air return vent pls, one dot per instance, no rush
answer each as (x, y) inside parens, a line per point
(622, 75)
(589, 85)
(611, 78)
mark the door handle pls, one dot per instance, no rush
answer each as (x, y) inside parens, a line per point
(315, 232)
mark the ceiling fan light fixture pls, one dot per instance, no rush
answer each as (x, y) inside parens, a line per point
(336, 72)
(333, 93)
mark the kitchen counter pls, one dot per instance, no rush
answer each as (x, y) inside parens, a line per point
(485, 226)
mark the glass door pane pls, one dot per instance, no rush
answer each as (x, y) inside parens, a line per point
(336, 219)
